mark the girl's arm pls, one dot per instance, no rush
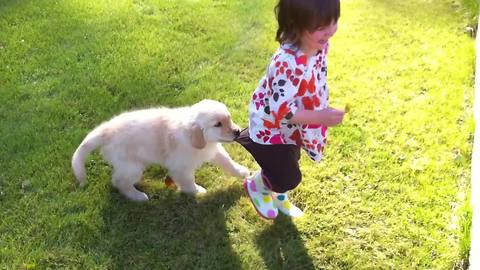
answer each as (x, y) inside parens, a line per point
(326, 117)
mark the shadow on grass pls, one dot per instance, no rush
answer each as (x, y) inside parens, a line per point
(178, 231)
(171, 231)
(282, 247)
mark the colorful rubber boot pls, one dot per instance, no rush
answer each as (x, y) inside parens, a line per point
(260, 196)
(283, 204)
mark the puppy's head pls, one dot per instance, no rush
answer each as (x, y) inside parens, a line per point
(212, 123)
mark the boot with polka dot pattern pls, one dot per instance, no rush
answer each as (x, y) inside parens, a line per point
(284, 205)
(260, 196)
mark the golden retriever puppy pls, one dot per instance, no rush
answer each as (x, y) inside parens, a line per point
(179, 139)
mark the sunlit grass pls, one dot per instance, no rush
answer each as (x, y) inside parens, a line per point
(391, 192)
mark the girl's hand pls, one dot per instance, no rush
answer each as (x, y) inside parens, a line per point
(332, 117)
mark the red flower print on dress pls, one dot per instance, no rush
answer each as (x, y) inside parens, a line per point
(264, 135)
(281, 67)
(302, 60)
(310, 102)
(318, 63)
(306, 86)
(320, 147)
(312, 126)
(291, 77)
(283, 111)
(311, 84)
(295, 81)
(277, 139)
(259, 100)
(270, 82)
(289, 51)
(324, 131)
(296, 137)
(298, 72)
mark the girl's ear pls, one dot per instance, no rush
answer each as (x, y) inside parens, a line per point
(196, 136)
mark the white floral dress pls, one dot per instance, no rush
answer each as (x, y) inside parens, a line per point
(293, 81)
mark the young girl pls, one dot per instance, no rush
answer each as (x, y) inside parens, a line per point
(289, 109)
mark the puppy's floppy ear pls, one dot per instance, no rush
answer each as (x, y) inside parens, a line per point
(196, 136)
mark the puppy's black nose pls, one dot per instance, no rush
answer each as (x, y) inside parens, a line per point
(236, 132)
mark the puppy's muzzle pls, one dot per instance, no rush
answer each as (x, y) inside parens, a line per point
(236, 133)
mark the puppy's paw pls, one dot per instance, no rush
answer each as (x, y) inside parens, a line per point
(137, 196)
(242, 171)
(133, 194)
(200, 189)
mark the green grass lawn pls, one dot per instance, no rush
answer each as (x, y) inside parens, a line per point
(391, 193)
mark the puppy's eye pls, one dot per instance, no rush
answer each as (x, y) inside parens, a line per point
(218, 124)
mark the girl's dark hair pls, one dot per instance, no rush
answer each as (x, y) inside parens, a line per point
(296, 16)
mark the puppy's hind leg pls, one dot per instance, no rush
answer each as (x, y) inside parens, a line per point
(124, 177)
(185, 180)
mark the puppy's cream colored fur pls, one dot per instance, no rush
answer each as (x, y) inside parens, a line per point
(179, 139)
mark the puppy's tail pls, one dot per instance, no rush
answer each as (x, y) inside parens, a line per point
(90, 143)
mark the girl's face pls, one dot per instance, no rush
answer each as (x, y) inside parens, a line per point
(313, 41)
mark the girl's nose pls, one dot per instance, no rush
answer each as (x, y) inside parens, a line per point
(331, 30)
(329, 34)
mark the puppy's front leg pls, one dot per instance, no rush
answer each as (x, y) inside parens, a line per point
(185, 181)
(223, 160)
